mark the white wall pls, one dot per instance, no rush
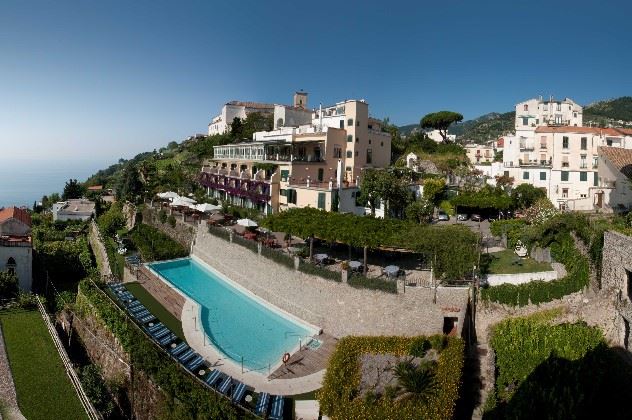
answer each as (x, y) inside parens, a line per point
(23, 257)
(496, 279)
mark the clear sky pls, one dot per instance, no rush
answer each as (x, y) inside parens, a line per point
(109, 79)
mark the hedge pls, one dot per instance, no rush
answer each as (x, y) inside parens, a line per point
(361, 282)
(556, 371)
(338, 398)
(309, 268)
(219, 232)
(246, 243)
(537, 292)
(278, 257)
(186, 398)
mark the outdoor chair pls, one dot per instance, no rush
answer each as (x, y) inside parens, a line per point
(195, 363)
(213, 377)
(180, 348)
(239, 392)
(225, 386)
(277, 408)
(262, 404)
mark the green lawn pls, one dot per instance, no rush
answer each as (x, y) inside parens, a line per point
(156, 308)
(43, 388)
(507, 262)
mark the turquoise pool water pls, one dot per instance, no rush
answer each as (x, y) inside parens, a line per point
(238, 325)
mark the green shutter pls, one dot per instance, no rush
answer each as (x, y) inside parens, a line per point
(285, 173)
(321, 200)
(596, 179)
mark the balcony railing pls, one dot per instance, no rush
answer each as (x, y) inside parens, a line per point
(535, 162)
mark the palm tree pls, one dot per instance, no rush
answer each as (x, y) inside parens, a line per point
(415, 382)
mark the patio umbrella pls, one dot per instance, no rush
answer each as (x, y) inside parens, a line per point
(170, 195)
(188, 200)
(207, 208)
(247, 223)
(180, 202)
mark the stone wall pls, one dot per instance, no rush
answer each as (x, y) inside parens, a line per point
(616, 258)
(139, 394)
(129, 212)
(182, 232)
(519, 278)
(337, 308)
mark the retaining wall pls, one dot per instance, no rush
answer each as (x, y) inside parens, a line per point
(496, 279)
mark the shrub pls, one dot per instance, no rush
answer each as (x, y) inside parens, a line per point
(172, 221)
(309, 268)
(219, 232)
(162, 216)
(278, 257)
(8, 285)
(438, 342)
(27, 300)
(419, 346)
(361, 282)
(155, 245)
(246, 243)
(338, 396)
(96, 390)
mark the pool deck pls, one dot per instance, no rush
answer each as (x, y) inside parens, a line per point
(303, 373)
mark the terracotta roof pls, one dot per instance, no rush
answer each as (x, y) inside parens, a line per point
(620, 158)
(258, 105)
(579, 130)
(95, 188)
(500, 142)
(15, 213)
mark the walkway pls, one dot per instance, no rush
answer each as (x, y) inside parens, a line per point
(8, 396)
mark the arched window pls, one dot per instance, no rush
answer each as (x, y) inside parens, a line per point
(11, 266)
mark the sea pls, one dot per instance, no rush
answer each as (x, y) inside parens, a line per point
(23, 182)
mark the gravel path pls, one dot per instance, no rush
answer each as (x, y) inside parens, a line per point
(7, 388)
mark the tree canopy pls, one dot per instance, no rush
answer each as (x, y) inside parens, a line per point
(386, 186)
(525, 195)
(72, 189)
(441, 121)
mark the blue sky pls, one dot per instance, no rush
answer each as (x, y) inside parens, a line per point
(101, 80)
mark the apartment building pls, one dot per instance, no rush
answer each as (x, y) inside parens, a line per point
(534, 113)
(220, 124)
(479, 153)
(312, 158)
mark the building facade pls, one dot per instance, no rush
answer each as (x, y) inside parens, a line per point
(220, 124)
(73, 209)
(614, 193)
(16, 246)
(479, 153)
(318, 164)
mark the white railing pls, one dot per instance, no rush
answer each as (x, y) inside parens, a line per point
(92, 413)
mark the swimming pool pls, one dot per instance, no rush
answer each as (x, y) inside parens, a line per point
(237, 324)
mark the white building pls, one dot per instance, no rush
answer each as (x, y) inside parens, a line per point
(74, 209)
(614, 192)
(16, 247)
(436, 136)
(236, 109)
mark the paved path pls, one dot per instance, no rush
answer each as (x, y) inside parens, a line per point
(7, 388)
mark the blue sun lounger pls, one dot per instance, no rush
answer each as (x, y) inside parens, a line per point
(137, 309)
(142, 313)
(179, 349)
(125, 295)
(213, 377)
(170, 338)
(117, 287)
(187, 355)
(155, 327)
(147, 318)
(134, 304)
(239, 392)
(277, 408)
(226, 385)
(195, 363)
(160, 333)
(262, 404)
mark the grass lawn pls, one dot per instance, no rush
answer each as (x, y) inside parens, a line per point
(507, 262)
(156, 308)
(43, 388)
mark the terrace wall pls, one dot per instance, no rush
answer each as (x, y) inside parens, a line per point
(182, 232)
(336, 307)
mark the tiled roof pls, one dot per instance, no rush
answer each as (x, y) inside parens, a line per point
(258, 105)
(579, 130)
(95, 188)
(620, 158)
(15, 213)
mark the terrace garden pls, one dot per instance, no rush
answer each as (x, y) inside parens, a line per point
(549, 370)
(507, 262)
(42, 385)
(393, 378)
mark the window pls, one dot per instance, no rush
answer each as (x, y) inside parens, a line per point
(542, 142)
(357, 123)
(284, 174)
(381, 143)
(349, 122)
(537, 121)
(369, 141)
(526, 107)
(542, 176)
(349, 138)
(369, 156)
(583, 195)
(357, 153)
(595, 179)
(342, 123)
(506, 173)
(357, 140)
(564, 142)
(321, 200)
(348, 168)
(337, 152)
(11, 266)
(559, 106)
(283, 193)
(564, 175)
(583, 176)
(574, 114)
(525, 175)
(291, 196)
(525, 120)
(564, 192)
(609, 142)
(321, 174)
(546, 107)
(349, 154)
(584, 143)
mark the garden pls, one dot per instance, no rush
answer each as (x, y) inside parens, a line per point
(393, 378)
(507, 262)
(558, 371)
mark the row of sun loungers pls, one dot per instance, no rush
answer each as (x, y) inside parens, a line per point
(187, 357)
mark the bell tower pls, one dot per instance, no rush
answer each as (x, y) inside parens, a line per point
(300, 99)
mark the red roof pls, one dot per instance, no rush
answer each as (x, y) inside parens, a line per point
(15, 213)
(500, 142)
(95, 188)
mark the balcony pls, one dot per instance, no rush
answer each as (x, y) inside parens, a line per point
(543, 147)
(526, 146)
(257, 190)
(536, 162)
(583, 165)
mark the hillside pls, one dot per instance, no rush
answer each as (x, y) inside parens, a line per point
(613, 112)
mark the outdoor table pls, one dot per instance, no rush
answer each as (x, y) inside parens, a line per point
(391, 270)
(355, 265)
(321, 257)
